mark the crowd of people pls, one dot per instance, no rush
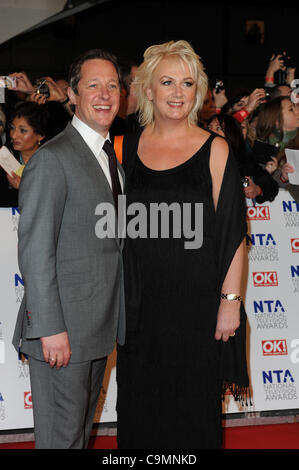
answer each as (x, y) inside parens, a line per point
(176, 313)
(246, 119)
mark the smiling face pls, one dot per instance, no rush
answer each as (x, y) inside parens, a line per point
(172, 90)
(97, 101)
(23, 137)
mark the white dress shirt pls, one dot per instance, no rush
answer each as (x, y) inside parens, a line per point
(95, 142)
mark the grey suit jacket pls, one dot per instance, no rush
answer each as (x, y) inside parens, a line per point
(73, 280)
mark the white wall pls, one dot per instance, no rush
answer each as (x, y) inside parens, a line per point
(16, 16)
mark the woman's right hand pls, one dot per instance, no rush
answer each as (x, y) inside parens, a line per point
(228, 319)
(255, 99)
(275, 64)
(23, 83)
(14, 180)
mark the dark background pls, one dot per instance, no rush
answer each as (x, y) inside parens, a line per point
(126, 28)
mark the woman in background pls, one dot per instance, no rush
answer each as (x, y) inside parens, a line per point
(278, 124)
(261, 185)
(28, 129)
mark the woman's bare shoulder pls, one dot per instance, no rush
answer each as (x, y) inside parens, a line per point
(219, 148)
(218, 156)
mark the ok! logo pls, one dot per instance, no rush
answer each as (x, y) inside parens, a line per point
(27, 400)
(295, 245)
(265, 279)
(258, 213)
(274, 347)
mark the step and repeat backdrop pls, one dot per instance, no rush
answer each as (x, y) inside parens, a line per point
(272, 306)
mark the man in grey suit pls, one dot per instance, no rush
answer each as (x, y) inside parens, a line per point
(73, 307)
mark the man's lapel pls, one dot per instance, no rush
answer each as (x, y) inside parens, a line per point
(81, 148)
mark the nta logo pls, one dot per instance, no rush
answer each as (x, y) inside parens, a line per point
(277, 376)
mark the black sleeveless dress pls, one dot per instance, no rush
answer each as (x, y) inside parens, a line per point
(168, 371)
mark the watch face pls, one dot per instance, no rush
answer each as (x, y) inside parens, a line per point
(231, 296)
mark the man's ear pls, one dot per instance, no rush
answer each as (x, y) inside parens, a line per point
(72, 95)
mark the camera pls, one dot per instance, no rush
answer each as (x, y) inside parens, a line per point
(281, 75)
(42, 87)
(245, 182)
(267, 96)
(219, 86)
(8, 82)
(287, 60)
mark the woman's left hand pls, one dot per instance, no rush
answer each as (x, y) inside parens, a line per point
(14, 180)
(286, 169)
(253, 190)
(228, 319)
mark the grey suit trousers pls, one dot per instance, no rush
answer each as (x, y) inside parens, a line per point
(64, 402)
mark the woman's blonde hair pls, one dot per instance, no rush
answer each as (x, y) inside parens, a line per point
(152, 57)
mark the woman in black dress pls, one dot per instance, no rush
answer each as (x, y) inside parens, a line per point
(184, 343)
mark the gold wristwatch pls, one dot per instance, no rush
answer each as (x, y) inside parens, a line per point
(231, 297)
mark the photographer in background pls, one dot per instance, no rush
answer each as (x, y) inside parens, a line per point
(243, 103)
(219, 95)
(260, 185)
(279, 75)
(46, 91)
(214, 101)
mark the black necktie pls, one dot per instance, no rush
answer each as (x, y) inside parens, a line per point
(116, 187)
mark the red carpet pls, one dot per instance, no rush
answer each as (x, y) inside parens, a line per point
(276, 436)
